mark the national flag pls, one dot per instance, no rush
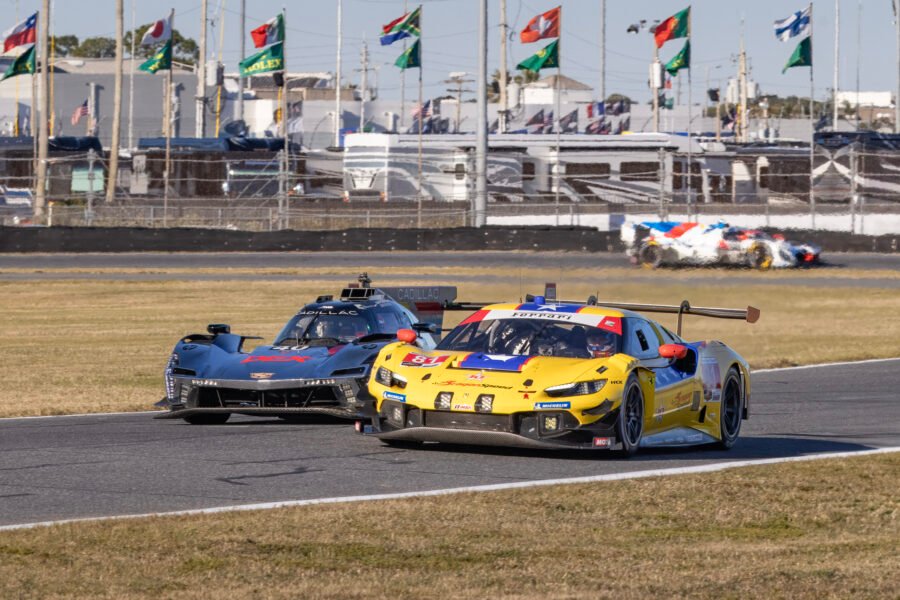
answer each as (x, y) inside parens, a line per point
(596, 127)
(542, 27)
(668, 85)
(568, 121)
(160, 31)
(80, 111)
(495, 126)
(802, 56)
(22, 65)
(548, 123)
(537, 119)
(23, 33)
(411, 57)
(682, 60)
(269, 59)
(596, 109)
(795, 25)
(161, 61)
(676, 26)
(270, 32)
(404, 27)
(422, 110)
(545, 58)
(729, 119)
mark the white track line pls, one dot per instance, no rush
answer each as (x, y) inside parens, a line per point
(820, 365)
(710, 468)
(107, 414)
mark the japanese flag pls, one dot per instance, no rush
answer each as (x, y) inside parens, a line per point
(161, 31)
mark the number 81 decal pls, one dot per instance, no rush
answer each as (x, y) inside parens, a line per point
(420, 360)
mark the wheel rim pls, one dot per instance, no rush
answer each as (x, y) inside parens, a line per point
(651, 255)
(634, 416)
(731, 409)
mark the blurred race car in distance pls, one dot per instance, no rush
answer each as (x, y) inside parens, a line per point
(661, 243)
(319, 362)
(547, 374)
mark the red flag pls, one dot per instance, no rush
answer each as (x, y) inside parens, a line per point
(542, 27)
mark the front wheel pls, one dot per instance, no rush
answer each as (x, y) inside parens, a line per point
(630, 424)
(731, 411)
(760, 257)
(208, 419)
(651, 256)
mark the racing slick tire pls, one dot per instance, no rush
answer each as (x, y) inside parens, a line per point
(760, 257)
(731, 409)
(208, 419)
(630, 424)
(651, 256)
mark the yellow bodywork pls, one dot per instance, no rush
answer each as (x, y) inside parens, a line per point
(679, 405)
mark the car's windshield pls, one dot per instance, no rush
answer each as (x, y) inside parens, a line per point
(328, 327)
(533, 337)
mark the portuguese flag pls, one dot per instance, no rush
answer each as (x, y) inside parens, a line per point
(676, 26)
(545, 58)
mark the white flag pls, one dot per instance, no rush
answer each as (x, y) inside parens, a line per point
(161, 31)
(796, 24)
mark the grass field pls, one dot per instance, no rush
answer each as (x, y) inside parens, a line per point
(824, 529)
(100, 345)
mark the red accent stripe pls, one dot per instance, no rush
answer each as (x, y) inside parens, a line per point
(476, 317)
(680, 229)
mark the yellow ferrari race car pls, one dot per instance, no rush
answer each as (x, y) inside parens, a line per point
(548, 374)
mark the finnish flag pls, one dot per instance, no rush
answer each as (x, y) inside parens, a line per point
(796, 24)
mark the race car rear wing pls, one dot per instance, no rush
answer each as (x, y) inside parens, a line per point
(750, 314)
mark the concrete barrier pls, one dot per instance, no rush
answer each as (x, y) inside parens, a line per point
(571, 239)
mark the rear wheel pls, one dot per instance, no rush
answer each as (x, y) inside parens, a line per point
(760, 257)
(630, 425)
(208, 419)
(650, 256)
(731, 410)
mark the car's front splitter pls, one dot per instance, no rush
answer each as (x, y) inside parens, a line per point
(180, 413)
(490, 438)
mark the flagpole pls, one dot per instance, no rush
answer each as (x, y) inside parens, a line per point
(131, 81)
(837, 57)
(654, 76)
(16, 124)
(168, 129)
(812, 126)
(479, 218)
(240, 98)
(558, 109)
(40, 195)
(690, 169)
(421, 127)
(403, 76)
(285, 155)
(50, 60)
(337, 76)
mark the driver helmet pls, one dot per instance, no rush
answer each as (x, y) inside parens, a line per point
(600, 344)
(328, 328)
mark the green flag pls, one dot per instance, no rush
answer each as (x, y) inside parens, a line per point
(266, 60)
(545, 58)
(802, 56)
(411, 57)
(23, 65)
(682, 60)
(161, 61)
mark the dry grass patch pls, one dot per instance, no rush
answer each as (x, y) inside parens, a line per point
(95, 345)
(825, 529)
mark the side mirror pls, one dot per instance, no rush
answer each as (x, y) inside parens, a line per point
(407, 335)
(427, 328)
(670, 351)
(218, 328)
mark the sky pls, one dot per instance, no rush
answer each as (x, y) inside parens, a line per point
(449, 42)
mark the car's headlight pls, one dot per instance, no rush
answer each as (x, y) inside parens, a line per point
(388, 378)
(170, 381)
(580, 388)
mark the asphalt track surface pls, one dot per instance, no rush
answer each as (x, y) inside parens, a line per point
(104, 465)
(344, 266)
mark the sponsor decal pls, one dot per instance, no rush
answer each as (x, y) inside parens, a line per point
(447, 382)
(494, 362)
(462, 407)
(394, 396)
(476, 377)
(275, 359)
(205, 382)
(551, 405)
(261, 375)
(613, 324)
(658, 414)
(420, 360)
(555, 308)
(602, 442)
(712, 381)
(328, 310)
(517, 314)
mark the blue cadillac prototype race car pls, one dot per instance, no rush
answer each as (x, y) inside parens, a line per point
(319, 362)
